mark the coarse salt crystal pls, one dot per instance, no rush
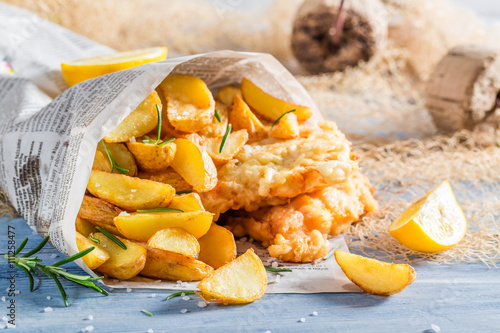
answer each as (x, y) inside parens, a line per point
(302, 320)
(111, 288)
(274, 264)
(157, 281)
(202, 304)
(278, 278)
(4, 318)
(267, 331)
(247, 148)
(48, 309)
(243, 239)
(314, 313)
(90, 317)
(153, 295)
(3, 298)
(129, 290)
(179, 281)
(17, 292)
(184, 284)
(53, 256)
(89, 328)
(150, 330)
(97, 185)
(183, 294)
(184, 310)
(435, 327)
(132, 139)
(2, 326)
(133, 190)
(123, 213)
(186, 298)
(49, 298)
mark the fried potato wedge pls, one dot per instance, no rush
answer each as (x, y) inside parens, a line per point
(100, 213)
(217, 246)
(84, 227)
(243, 280)
(241, 117)
(96, 257)
(374, 276)
(141, 226)
(101, 162)
(139, 122)
(226, 94)
(286, 128)
(151, 157)
(122, 264)
(129, 193)
(176, 240)
(121, 155)
(268, 106)
(217, 128)
(193, 163)
(235, 141)
(190, 202)
(166, 265)
(168, 176)
(190, 105)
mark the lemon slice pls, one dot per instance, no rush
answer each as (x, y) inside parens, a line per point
(434, 223)
(88, 68)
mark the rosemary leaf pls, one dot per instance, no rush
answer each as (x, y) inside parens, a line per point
(73, 257)
(21, 246)
(277, 270)
(30, 277)
(112, 237)
(158, 133)
(217, 116)
(173, 210)
(279, 118)
(112, 160)
(224, 139)
(147, 312)
(37, 248)
(331, 252)
(95, 240)
(179, 293)
(166, 141)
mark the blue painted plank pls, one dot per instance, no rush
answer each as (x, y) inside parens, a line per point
(457, 298)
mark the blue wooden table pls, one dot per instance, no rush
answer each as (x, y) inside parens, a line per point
(446, 298)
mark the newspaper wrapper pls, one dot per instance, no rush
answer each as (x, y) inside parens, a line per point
(47, 146)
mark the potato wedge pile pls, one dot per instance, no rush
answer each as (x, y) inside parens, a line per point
(142, 210)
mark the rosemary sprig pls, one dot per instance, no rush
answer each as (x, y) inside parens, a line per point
(224, 139)
(173, 210)
(331, 252)
(277, 270)
(30, 265)
(147, 312)
(279, 118)
(112, 237)
(112, 160)
(92, 238)
(179, 293)
(158, 132)
(183, 192)
(217, 116)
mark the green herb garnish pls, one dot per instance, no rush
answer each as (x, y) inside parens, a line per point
(112, 237)
(179, 293)
(112, 160)
(147, 312)
(277, 270)
(330, 253)
(158, 132)
(183, 192)
(224, 139)
(279, 118)
(95, 240)
(217, 116)
(29, 265)
(174, 210)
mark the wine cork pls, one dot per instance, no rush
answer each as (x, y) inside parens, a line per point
(463, 90)
(320, 46)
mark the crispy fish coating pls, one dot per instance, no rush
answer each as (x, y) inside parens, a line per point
(297, 232)
(272, 171)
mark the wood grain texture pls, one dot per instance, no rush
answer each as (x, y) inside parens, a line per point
(457, 298)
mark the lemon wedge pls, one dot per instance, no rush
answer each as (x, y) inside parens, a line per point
(434, 223)
(88, 68)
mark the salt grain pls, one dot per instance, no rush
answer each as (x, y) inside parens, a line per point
(435, 327)
(184, 310)
(247, 149)
(153, 295)
(4, 318)
(277, 279)
(179, 281)
(54, 256)
(48, 309)
(123, 213)
(17, 292)
(49, 298)
(90, 317)
(129, 290)
(184, 284)
(274, 264)
(150, 330)
(89, 328)
(183, 294)
(97, 185)
(302, 320)
(314, 313)
(132, 139)
(157, 281)
(3, 298)
(133, 190)
(202, 304)
(267, 332)
(186, 298)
